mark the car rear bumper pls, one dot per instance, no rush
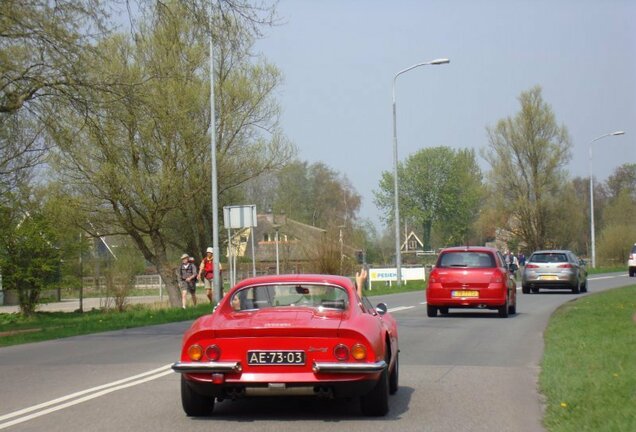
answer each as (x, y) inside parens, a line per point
(561, 280)
(207, 367)
(317, 368)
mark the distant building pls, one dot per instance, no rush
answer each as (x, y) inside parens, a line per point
(300, 245)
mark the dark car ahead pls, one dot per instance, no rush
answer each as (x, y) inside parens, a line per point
(471, 277)
(554, 269)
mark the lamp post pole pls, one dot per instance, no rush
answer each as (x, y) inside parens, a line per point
(396, 209)
(592, 235)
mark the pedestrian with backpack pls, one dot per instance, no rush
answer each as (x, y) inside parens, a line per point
(187, 280)
(206, 272)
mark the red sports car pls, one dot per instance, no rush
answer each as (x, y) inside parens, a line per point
(471, 277)
(300, 335)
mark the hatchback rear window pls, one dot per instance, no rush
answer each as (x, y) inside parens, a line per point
(634, 249)
(549, 258)
(466, 260)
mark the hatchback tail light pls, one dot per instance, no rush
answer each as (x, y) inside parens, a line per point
(568, 265)
(433, 277)
(531, 266)
(497, 277)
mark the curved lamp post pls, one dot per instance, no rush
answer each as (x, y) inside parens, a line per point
(592, 237)
(398, 257)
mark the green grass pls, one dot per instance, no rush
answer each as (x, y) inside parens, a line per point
(589, 367)
(380, 288)
(17, 329)
(607, 269)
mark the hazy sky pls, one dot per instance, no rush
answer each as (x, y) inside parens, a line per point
(339, 59)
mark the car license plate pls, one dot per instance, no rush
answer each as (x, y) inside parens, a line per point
(465, 293)
(548, 277)
(276, 357)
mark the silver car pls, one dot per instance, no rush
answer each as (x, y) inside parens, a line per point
(554, 269)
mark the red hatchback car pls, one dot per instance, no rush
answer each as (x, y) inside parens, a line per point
(291, 335)
(471, 277)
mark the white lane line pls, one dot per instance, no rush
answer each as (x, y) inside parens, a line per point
(155, 373)
(400, 308)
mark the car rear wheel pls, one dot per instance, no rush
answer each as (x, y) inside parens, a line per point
(376, 402)
(525, 289)
(194, 404)
(632, 272)
(576, 288)
(512, 309)
(584, 287)
(443, 310)
(534, 290)
(503, 310)
(395, 375)
(431, 311)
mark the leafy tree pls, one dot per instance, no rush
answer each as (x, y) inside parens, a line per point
(440, 189)
(139, 166)
(616, 238)
(29, 259)
(527, 154)
(310, 193)
(623, 179)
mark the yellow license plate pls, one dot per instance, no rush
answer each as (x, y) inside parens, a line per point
(464, 293)
(548, 277)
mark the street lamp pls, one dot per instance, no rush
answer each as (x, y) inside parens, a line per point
(215, 199)
(592, 237)
(398, 257)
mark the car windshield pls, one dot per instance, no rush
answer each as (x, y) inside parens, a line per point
(465, 259)
(549, 258)
(307, 295)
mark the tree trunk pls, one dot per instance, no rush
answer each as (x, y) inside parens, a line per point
(169, 276)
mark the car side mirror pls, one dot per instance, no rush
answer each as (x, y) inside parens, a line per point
(381, 308)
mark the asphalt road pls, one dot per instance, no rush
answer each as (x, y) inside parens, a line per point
(469, 371)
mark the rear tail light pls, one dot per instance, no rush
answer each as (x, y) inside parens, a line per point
(195, 352)
(531, 266)
(213, 352)
(341, 352)
(568, 265)
(359, 352)
(497, 277)
(433, 277)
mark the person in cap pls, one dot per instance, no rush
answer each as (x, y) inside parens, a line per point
(206, 272)
(187, 280)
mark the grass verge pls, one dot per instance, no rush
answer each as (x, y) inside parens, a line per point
(17, 329)
(589, 366)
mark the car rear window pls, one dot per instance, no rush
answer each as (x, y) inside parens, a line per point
(634, 249)
(464, 259)
(549, 258)
(305, 295)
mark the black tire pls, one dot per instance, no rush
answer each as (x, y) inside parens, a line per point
(443, 310)
(525, 289)
(512, 309)
(194, 404)
(584, 286)
(576, 288)
(376, 402)
(535, 290)
(632, 272)
(503, 310)
(431, 311)
(395, 376)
